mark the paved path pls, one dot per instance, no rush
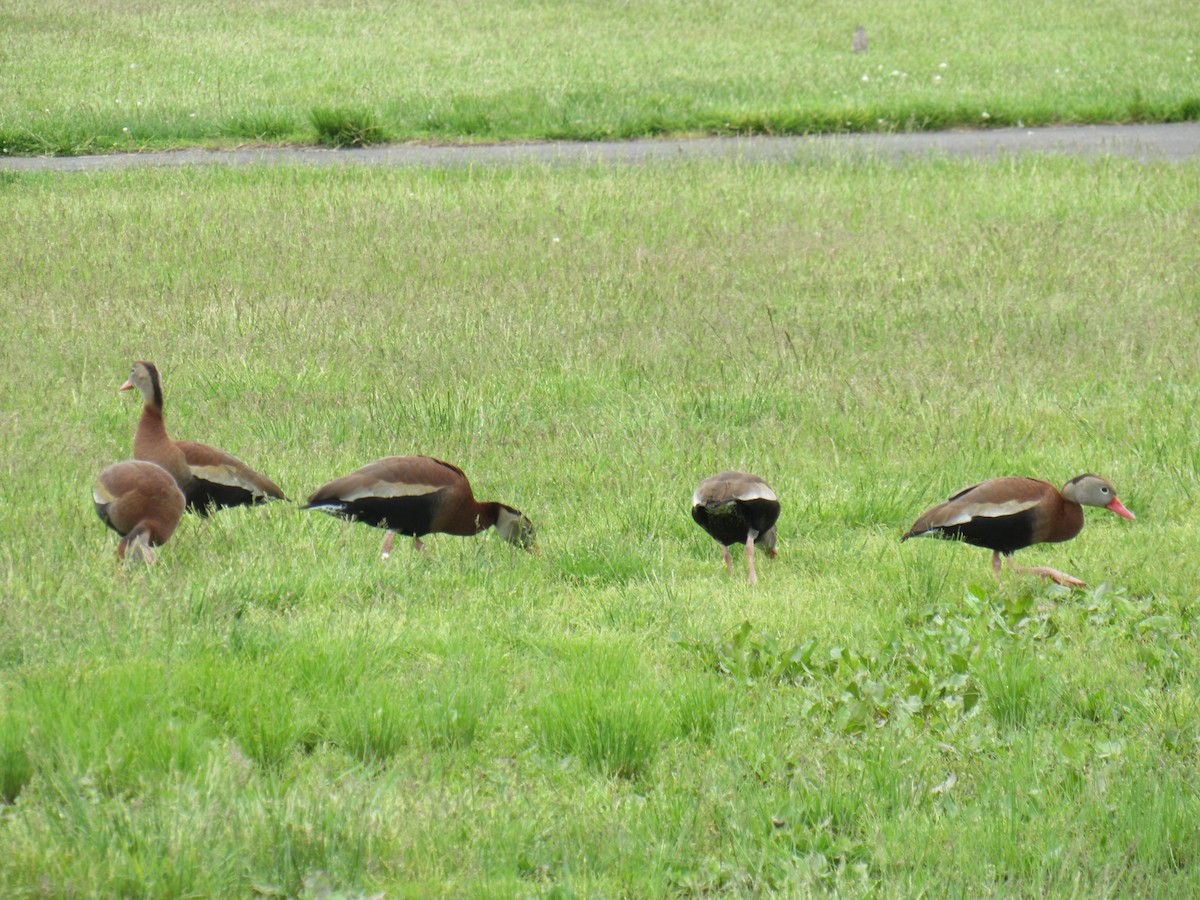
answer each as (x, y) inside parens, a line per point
(1145, 142)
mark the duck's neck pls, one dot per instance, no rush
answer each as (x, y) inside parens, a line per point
(151, 430)
(486, 515)
(152, 443)
(1068, 523)
(156, 397)
(476, 517)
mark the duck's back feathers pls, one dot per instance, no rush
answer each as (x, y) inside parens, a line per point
(726, 487)
(220, 479)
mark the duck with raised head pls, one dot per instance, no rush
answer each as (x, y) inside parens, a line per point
(141, 502)
(416, 496)
(209, 478)
(737, 508)
(1008, 514)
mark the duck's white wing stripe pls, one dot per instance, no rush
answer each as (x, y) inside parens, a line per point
(988, 511)
(386, 490)
(758, 490)
(224, 475)
(755, 490)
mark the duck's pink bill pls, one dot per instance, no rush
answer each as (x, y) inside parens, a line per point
(1119, 508)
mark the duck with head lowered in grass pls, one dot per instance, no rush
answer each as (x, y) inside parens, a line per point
(738, 508)
(416, 496)
(141, 502)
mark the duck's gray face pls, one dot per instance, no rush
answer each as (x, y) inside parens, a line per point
(516, 528)
(140, 377)
(1092, 490)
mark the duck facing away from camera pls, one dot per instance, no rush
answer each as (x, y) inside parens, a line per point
(1009, 514)
(415, 496)
(141, 502)
(738, 508)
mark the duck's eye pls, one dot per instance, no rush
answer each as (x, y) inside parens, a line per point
(1103, 490)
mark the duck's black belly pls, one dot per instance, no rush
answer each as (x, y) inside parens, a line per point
(205, 497)
(411, 516)
(732, 521)
(1003, 534)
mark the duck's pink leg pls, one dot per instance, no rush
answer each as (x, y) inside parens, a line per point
(1053, 574)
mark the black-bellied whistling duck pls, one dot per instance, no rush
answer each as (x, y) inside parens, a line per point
(141, 502)
(209, 478)
(1008, 514)
(416, 496)
(736, 508)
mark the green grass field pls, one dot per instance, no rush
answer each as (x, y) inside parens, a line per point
(270, 710)
(128, 75)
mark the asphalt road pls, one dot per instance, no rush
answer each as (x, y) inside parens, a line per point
(1145, 142)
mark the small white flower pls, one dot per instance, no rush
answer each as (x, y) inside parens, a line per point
(943, 65)
(191, 115)
(126, 129)
(937, 79)
(556, 240)
(133, 65)
(866, 77)
(985, 115)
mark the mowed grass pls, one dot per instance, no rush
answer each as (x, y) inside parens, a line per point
(272, 710)
(127, 75)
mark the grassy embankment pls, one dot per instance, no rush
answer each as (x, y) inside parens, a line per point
(122, 75)
(271, 709)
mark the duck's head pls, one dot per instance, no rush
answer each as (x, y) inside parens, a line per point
(144, 376)
(515, 527)
(1092, 490)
